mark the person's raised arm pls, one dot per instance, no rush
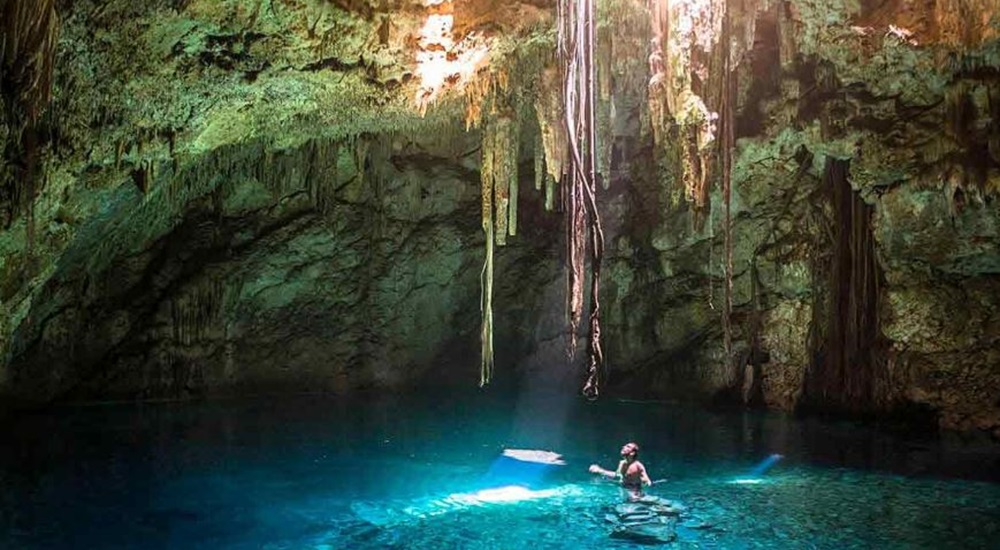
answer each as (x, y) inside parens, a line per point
(595, 469)
(645, 476)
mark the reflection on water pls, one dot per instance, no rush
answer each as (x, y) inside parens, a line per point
(326, 472)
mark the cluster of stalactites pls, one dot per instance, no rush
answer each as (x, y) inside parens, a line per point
(481, 96)
(29, 30)
(551, 148)
(499, 185)
(312, 170)
(197, 313)
(687, 72)
(485, 107)
(489, 106)
(498, 175)
(684, 33)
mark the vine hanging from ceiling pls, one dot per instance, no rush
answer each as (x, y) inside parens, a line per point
(576, 47)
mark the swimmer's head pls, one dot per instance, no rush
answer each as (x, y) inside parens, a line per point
(630, 450)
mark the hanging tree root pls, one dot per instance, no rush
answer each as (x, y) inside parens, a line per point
(727, 185)
(486, 282)
(576, 49)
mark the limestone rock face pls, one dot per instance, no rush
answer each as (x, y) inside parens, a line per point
(251, 290)
(869, 292)
(241, 199)
(242, 196)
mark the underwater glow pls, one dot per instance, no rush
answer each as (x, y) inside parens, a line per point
(502, 495)
(509, 480)
(440, 60)
(505, 494)
(522, 467)
(746, 481)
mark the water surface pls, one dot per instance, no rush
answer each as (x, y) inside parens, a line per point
(324, 472)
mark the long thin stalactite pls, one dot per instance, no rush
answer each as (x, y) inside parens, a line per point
(577, 21)
(499, 186)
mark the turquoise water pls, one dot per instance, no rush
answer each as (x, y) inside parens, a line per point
(314, 472)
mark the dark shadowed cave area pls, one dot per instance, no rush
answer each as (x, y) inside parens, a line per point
(243, 241)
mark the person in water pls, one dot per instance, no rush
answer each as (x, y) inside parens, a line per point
(630, 473)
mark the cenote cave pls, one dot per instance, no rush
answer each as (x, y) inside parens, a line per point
(499, 274)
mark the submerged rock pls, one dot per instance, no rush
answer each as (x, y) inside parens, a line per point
(647, 520)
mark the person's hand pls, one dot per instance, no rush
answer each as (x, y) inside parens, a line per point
(595, 469)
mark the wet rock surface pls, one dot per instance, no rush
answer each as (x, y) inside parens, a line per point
(240, 196)
(649, 520)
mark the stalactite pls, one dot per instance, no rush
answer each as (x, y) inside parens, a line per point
(29, 31)
(500, 143)
(603, 105)
(544, 182)
(659, 93)
(321, 176)
(511, 143)
(551, 188)
(684, 79)
(549, 109)
(483, 93)
(310, 169)
(198, 310)
(498, 132)
(487, 105)
(512, 187)
(787, 48)
(28, 35)
(691, 92)
(361, 146)
(539, 157)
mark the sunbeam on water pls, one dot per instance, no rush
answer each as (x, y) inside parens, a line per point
(765, 465)
(757, 473)
(522, 467)
(747, 481)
